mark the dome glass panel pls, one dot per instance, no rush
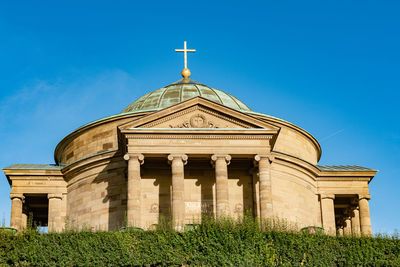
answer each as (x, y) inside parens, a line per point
(181, 91)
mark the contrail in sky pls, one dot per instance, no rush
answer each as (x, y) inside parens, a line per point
(331, 135)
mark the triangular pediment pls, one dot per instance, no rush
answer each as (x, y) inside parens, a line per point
(197, 117)
(198, 113)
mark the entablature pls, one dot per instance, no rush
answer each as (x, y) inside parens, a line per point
(35, 178)
(199, 141)
(32, 171)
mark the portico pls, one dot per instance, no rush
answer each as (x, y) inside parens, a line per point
(341, 214)
(216, 146)
(39, 194)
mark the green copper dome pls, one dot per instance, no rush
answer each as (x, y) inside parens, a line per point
(178, 92)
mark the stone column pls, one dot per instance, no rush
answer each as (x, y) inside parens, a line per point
(340, 231)
(340, 225)
(328, 214)
(133, 203)
(365, 219)
(24, 217)
(16, 210)
(256, 193)
(221, 163)
(55, 223)
(264, 174)
(347, 227)
(178, 161)
(355, 222)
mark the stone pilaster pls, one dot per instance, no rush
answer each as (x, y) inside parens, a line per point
(16, 210)
(133, 210)
(355, 222)
(264, 174)
(55, 223)
(328, 214)
(365, 219)
(178, 161)
(221, 163)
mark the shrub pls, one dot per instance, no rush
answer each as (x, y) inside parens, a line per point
(208, 244)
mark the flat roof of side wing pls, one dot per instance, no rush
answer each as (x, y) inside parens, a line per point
(34, 167)
(350, 168)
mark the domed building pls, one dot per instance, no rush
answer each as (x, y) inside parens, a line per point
(183, 152)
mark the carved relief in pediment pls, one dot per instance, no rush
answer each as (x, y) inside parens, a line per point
(196, 121)
(197, 117)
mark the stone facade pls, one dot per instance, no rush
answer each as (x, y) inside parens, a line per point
(192, 159)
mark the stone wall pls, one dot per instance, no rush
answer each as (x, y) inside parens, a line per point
(295, 195)
(97, 195)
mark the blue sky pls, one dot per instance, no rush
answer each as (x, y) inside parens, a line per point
(331, 67)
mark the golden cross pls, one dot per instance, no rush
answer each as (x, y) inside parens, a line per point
(185, 50)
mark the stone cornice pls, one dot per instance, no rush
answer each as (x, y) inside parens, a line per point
(330, 174)
(10, 172)
(193, 133)
(89, 162)
(18, 174)
(346, 175)
(83, 167)
(292, 126)
(297, 160)
(327, 175)
(343, 178)
(302, 165)
(195, 136)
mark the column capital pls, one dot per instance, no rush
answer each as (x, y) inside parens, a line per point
(139, 157)
(366, 196)
(51, 196)
(182, 157)
(259, 157)
(226, 157)
(16, 195)
(327, 196)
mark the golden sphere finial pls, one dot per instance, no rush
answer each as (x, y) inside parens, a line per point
(185, 73)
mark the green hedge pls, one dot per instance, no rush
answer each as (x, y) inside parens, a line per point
(210, 244)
